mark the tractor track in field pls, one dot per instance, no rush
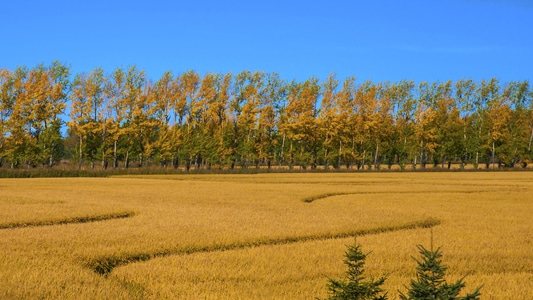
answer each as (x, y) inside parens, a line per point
(71, 220)
(313, 198)
(104, 265)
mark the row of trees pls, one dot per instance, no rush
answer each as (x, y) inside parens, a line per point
(257, 119)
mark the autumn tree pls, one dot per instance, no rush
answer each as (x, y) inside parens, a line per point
(201, 127)
(245, 107)
(187, 93)
(165, 95)
(267, 124)
(499, 134)
(449, 127)
(218, 125)
(385, 131)
(328, 122)
(136, 125)
(301, 122)
(35, 101)
(487, 94)
(518, 149)
(372, 123)
(256, 118)
(17, 142)
(347, 121)
(6, 109)
(115, 92)
(403, 110)
(87, 114)
(464, 98)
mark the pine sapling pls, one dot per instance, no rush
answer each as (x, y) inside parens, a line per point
(430, 282)
(355, 285)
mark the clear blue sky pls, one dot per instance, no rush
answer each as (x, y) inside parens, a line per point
(378, 40)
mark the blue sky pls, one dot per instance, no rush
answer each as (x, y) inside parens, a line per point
(377, 40)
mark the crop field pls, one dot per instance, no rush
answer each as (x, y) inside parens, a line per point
(262, 236)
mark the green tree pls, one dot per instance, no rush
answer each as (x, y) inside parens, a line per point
(519, 97)
(430, 282)
(464, 96)
(403, 111)
(355, 285)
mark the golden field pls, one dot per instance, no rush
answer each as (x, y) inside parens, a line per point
(263, 236)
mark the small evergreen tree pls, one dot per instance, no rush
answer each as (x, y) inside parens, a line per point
(430, 282)
(355, 286)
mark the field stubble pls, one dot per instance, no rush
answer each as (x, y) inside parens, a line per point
(275, 236)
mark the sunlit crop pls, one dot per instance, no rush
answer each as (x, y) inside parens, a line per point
(265, 236)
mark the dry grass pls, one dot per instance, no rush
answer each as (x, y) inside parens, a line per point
(274, 236)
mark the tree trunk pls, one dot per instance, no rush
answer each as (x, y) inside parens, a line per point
(493, 155)
(376, 157)
(282, 147)
(81, 153)
(127, 159)
(530, 140)
(326, 163)
(291, 158)
(422, 165)
(104, 159)
(115, 159)
(364, 158)
(340, 154)
(51, 162)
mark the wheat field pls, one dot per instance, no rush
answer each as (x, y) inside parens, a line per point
(262, 236)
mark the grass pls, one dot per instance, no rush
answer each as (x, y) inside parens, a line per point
(274, 236)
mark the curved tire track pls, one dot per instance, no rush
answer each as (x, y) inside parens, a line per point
(313, 198)
(105, 265)
(73, 220)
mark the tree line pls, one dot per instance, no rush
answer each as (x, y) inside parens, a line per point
(257, 119)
